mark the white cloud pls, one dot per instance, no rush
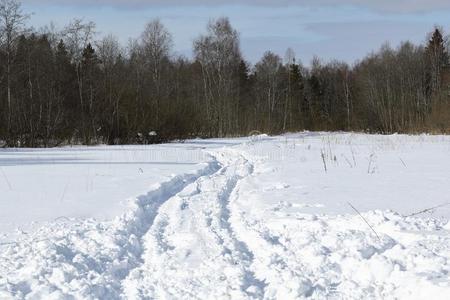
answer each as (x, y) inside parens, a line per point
(394, 6)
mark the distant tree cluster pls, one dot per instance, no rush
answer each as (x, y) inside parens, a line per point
(64, 87)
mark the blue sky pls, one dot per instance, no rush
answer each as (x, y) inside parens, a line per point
(345, 30)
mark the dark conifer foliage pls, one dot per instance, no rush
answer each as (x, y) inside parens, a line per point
(67, 87)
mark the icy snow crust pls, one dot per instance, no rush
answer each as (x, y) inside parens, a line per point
(258, 218)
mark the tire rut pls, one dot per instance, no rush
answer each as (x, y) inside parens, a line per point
(195, 224)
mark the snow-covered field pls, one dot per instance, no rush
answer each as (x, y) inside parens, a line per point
(250, 218)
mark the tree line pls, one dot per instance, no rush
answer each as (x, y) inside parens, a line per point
(65, 87)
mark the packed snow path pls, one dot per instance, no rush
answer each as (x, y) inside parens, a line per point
(201, 235)
(191, 250)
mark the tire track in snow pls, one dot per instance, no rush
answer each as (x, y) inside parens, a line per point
(251, 284)
(87, 259)
(277, 266)
(139, 221)
(191, 249)
(286, 272)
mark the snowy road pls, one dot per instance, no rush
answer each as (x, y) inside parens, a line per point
(241, 226)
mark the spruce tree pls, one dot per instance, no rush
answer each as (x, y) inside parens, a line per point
(437, 57)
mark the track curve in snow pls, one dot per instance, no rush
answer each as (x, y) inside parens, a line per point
(191, 249)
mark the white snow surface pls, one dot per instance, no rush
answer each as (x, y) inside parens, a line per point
(40, 185)
(299, 216)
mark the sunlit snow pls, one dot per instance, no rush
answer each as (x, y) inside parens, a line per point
(307, 215)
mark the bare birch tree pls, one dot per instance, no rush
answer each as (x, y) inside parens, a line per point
(219, 54)
(156, 43)
(77, 36)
